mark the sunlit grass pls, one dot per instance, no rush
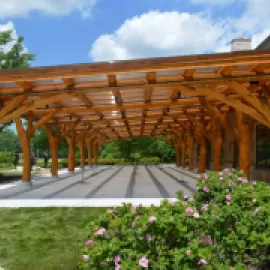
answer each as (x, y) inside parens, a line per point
(43, 238)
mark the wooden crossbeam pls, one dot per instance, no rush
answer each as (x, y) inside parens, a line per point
(26, 85)
(188, 73)
(33, 105)
(12, 105)
(251, 100)
(199, 125)
(222, 118)
(42, 122)
(226, 71)
(71, 128)
(238, 106)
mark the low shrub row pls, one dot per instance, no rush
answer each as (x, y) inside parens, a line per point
(149, 161)
(225, 225)
(6, 158)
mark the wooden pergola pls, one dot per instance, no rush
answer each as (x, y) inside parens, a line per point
(185, 98)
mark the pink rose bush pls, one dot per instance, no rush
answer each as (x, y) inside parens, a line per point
(224, 225)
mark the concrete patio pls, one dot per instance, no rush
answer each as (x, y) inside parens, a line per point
(106, 184)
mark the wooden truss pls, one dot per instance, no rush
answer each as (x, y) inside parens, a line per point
(88, 104)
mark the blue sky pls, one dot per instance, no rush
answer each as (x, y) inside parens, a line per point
(68, 31)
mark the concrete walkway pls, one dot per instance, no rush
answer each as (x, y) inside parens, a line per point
(102, 186)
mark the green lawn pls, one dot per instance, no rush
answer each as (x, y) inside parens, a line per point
(43, 238)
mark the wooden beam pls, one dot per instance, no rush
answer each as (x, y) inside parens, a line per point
(149, 65)
(239, 106)
(42, 121)
(199, 125)
(13, 104)
(254, 102)
(71, 128)
(188, 73)
(222, 118)
(33, 105)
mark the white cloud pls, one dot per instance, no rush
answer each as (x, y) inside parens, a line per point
(14, 8)
(214, 2)
(255, 17)
(159, 34)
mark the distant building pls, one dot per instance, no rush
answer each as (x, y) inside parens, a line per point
(265, 45)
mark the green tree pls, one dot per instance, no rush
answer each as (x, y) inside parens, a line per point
(14, 57)
(9, 141)
(140, 147)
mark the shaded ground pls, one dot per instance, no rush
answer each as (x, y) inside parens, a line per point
(43, 238)
(112, 182)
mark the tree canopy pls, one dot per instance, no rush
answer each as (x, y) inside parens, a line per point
(9, 141)
(13, 54)
(136, 148)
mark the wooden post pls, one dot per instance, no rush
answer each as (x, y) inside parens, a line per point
(71, 155)
(190, 143)
(26, 149)
(95, 153)
(178, 158)
(203, 153)
(89, 151)
(217, 143)
(245, 126)
(183, 152)
(53, 142)
(82, 152)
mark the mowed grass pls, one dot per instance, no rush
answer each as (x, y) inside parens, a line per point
(43, 238)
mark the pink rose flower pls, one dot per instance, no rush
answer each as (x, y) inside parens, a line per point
(89, 243)
(172, 203)
(220, 173)
(85, 258)
(240, 179)
(118, 267)
(228, 197)
(152, 219)
(189, 210)
(184, 203)
(136, 208)
(202, 261)
(116, 260)
(148, 237)
(206, 189)
(230, 182)
(203, 181)
(196, 215)
(221, 178)
(205, 207)
(226, 170)
(206, 176)
(101, 231)
(143, 262)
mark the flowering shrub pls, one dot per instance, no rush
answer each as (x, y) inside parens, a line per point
(224, 226)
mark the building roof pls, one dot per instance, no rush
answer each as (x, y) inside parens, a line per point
(265, 45)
